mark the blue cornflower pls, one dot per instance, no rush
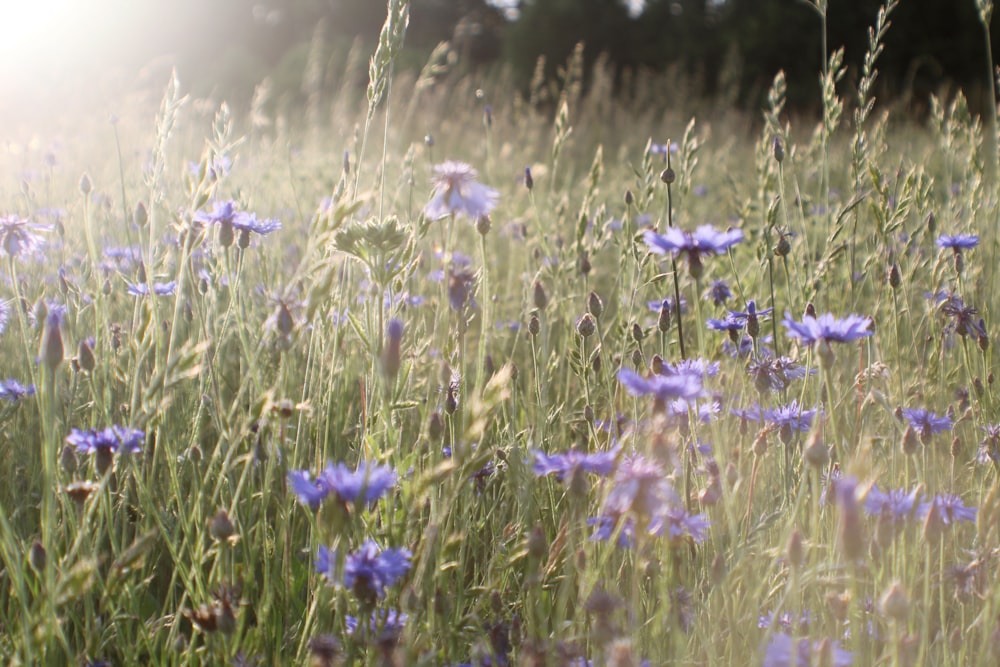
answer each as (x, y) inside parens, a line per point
(457, 192)
(668, 303)
(948, 508)
(124, 258)
(788, 418)
(223, 214)
(744, 347)
(957, 242)
(245, 223)
(369, 482)
(989, 447)
(112, 439)
(19, 236)
(4, 316)
(784, 651)
(898, 504)
(391, 622)
(641, 487)
(563, 466)
(229, 220)
(13, 391)
(699, 367)
(785, 621)
(705, 240)
(828, 329)
(732, 324)
(773, 374)
(159, 289)
(681, 525)
(367, 571)
(718, 293)
(663, 387)
(662, 149)
(926, 423)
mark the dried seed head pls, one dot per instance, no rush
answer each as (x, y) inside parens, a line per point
(782, 247)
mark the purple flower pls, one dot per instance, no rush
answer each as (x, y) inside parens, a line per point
(718, 293)
(460, 286)
(663, 387)
(369, 482)
(898, 504)
(963, 316)
(564, 465)
(705, 240)
(367, 571)
(698, 367)
(19, 236)
(662, 149)
(4, 316)
(926, 423)
(790, 416)
(958, 242)
(248, 222)
(223, 213)
(731, 323)
(668, 303)
(13, 391)
(826, 328)
(110, 440)
(641, 487)
(159, 289)
(783, 651)
(773, 374)
(989, 447)
(457, 192)
(681, 525)
(390, 622)
(949, 508)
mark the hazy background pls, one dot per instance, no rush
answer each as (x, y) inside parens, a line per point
(59, 53)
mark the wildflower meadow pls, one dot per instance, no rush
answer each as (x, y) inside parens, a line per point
(429, 371)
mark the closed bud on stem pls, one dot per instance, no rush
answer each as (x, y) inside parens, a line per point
(895, 277)
(795, 549)
(86, 187)
(628, 198)
(595, 306)
(636, 358)
(911, 441)
(52, 351)
(435, 426)
(483, 225)
(663, 321)
(895, 603)
(37, 556)
(221, 527)
(534, 325)
(529, 182)
(584, 263)
(668, 176)
(85, 355)
(539, 297)
(586, 326)
(816, 452)
(778, 150)
(637, 333)
(782, 247)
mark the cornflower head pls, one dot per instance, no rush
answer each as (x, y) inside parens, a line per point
(457, 192)
(229, 220)
(926, 423)
(705, 240)
(718, 293)
(363, 486)
(963, 316)
(19, 236)
(159, 289)
(989, 447)
(775, 374)
(820, 331)
(784, 651)
(957, 244)
(897, 504)
(732, 325)
(640, 487)
(663, 388)
(11, 390)
(948, 508)
(566, 465)
(104, 444)
(367, 571)
(663, 149)
(752, 317)
(698, 367)
(390, 622)
(789, 418)
(657, 305)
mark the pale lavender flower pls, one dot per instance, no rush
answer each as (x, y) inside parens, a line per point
(705, 240)
(957, 242)
(367, 571)
(784, 651)
(663, 387)
(564, 465)
(948, 507)
(11, 390)
(159, 289)
(363, 486)
(898, 504)
(457, 192)
(718, 293)
(926, 423)
(19, 236)
(826, 328)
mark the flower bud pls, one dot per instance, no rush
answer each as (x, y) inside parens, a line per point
(37, 556)
(628, 198)
(586, 326)
(895, 277)
(663, 321)
(534, 325)
(539, 297)
(85, 355)
(529, 182)
(435, 426)
(795, 549)
(895, 603)
(778, 150)
(637, 333)
(86, 187)
(52, 350)
(584, 263)
(595, 306)
(782, 247)
(668, 176)
(221, 527)
(483, 225)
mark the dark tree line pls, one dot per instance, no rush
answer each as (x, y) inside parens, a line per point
(738, 45)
